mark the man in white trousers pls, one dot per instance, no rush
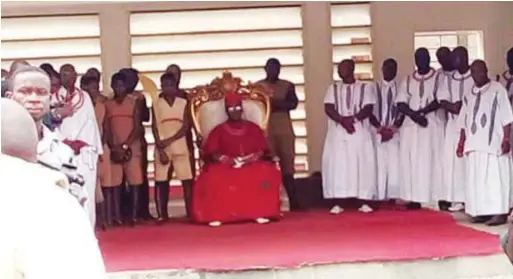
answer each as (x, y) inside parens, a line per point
(485, 122)
(80, 131)
(444, 58)
(458, 85)
(387, 120)
(348, 160)
(420, 165)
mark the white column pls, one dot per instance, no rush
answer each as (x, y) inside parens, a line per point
(114, 40)
(318, 72)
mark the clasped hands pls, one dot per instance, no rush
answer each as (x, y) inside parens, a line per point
(387, 133)
(453, 108)
(238, 162)
(120, 153)
(419, 118)
(347, 123)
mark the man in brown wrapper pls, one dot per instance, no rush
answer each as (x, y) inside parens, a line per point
(177, 72)
(170, 125)
(124, 139)
(280, 131)
(132, 76)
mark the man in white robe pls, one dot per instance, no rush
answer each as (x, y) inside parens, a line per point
(458, 85)
(30, 87)
(348, 162)
(387, 120)
(80, 131)
(485, 120)
(45, 233)
(444, 57)
(420, 165)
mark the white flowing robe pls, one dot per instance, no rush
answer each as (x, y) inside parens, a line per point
(387, 153)
(45, 232)
(485, 112)
(82, 125)
(420, 149)
(348, 163)
(453, 173)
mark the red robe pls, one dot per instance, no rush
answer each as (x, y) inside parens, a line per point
(226, 194)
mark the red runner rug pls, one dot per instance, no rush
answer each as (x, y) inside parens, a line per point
(299, 239)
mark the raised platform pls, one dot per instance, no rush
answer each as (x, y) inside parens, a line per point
(386, 244)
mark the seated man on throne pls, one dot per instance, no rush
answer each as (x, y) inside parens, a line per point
(239, 180)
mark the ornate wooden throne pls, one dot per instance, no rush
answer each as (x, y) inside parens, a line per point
(208, 107)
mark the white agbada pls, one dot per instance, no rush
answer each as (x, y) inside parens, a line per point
(420, 165)
(82, 125)
(484, 113)
(45, 232)
(387, 153)
(348, 163)
(452, 188)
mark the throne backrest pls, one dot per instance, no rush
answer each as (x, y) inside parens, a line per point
(208, 105)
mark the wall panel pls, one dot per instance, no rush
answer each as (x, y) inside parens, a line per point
(205, 43)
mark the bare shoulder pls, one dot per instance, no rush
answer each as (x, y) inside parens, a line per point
(101, 99)
(287, 82)
(99, 104)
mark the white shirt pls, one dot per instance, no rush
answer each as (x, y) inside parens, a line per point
(385, 109)
(45, 232)
(457, 86)
(418, 91)
(484, 113)
(349, 99)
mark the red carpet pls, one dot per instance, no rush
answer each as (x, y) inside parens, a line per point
(299, 239)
